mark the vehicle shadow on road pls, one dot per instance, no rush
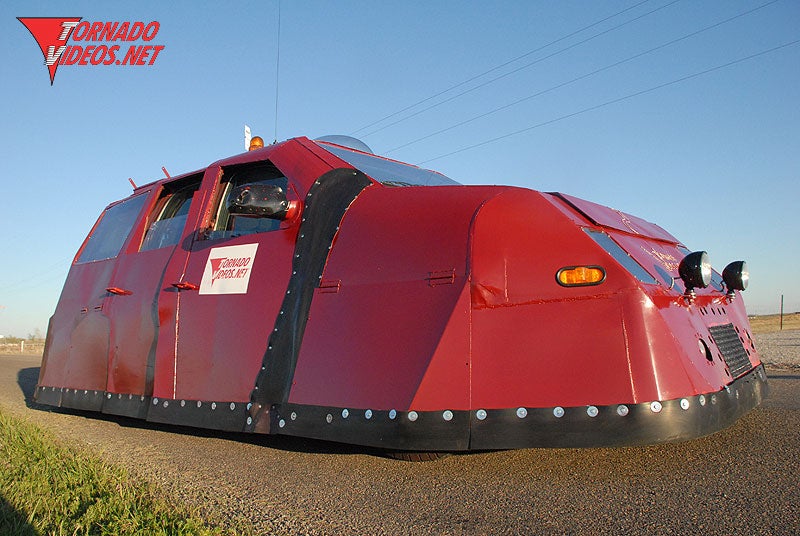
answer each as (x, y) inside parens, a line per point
(28, 377)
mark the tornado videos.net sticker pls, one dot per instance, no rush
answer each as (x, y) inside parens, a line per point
(72, 41)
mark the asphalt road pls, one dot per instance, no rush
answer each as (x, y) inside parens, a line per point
(743, 480)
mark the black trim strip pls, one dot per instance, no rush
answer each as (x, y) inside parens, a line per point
(325, 205)
(514, 428)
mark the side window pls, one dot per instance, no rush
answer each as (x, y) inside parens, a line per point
(227, 225)
(169, 216)
(111, 231)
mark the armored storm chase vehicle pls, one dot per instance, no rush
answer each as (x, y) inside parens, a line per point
(313, 289)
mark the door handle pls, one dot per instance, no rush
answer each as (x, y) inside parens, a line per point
(119, 291)
(185, 285)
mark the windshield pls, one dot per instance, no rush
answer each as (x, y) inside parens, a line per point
(389, 172)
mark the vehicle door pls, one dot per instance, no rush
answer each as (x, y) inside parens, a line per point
(141, 303)
(232, 289)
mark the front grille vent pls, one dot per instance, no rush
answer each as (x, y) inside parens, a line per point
(733, 352)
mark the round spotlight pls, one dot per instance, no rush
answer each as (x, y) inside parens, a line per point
(736, 276)
(695, 270)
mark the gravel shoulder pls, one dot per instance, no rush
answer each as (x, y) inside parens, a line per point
(740, 480)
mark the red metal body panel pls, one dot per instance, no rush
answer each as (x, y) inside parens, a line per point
(371, 343)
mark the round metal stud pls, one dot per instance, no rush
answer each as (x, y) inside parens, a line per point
(109, 396)
(684, 404)
(166, 403)
(412, 416)
(345, 413)
(183, 403)
(155, 401)
(713, 399)
(522, 413)
(199, 404)
(213, 405)
(558, 412)
(329, 418)
(480, 414)
(233, 406)
(249, 405)
(592, 411)
(392, 414)
(622, 410)
(281, 423)
(702, 400)
(655, 407)
(368, 414)
(447, 415)
(119, 396)
(293, 416)
(249, 420)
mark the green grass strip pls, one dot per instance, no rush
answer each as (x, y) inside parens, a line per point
(46, 488)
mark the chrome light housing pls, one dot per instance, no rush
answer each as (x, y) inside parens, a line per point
(695, 271)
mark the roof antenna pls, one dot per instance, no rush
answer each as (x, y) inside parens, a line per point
(277, 72)
(130, 180)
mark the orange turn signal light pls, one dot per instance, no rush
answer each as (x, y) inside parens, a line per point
(580, 276)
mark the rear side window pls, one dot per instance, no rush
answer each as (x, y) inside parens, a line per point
(169, 218)
(621, 256)
(113, 228)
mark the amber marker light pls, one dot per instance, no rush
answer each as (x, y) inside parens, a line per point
(256, 143)
(580, 276)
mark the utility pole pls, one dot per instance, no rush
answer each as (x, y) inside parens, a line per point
(781, 312)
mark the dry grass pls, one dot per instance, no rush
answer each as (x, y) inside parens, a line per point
(771, 323)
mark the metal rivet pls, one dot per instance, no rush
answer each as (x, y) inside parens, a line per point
(480, 414)
(249, 420)
(213, 405)
(109, 396)
(558, 411)
(592, 411)
(155, 401)
(412, 416)
(622, 410)
(329, 418)
(392, 414)
(269, 347)
(522, 413)
(276, 329)
(368, 414)
(293, 416)
(345, 413)
(655, 407)
(294, 272)
(281, 423)
(199, 403)
(281, 312)
(713, 399)
(249, 405)
(166, 403)
(702, 400)
(297, 256)
(233, 406)
(447, 415)
(684, 403)
(142, 398)
(119, 396)
(130, 397)
(302, 236)
(183, 403)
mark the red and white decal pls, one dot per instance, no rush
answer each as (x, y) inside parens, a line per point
(228, 269)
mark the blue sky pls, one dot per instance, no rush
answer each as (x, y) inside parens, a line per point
(713, 158)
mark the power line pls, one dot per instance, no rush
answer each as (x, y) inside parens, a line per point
(493, 69)
(614, 101)
(582, 77)
(484, 84)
